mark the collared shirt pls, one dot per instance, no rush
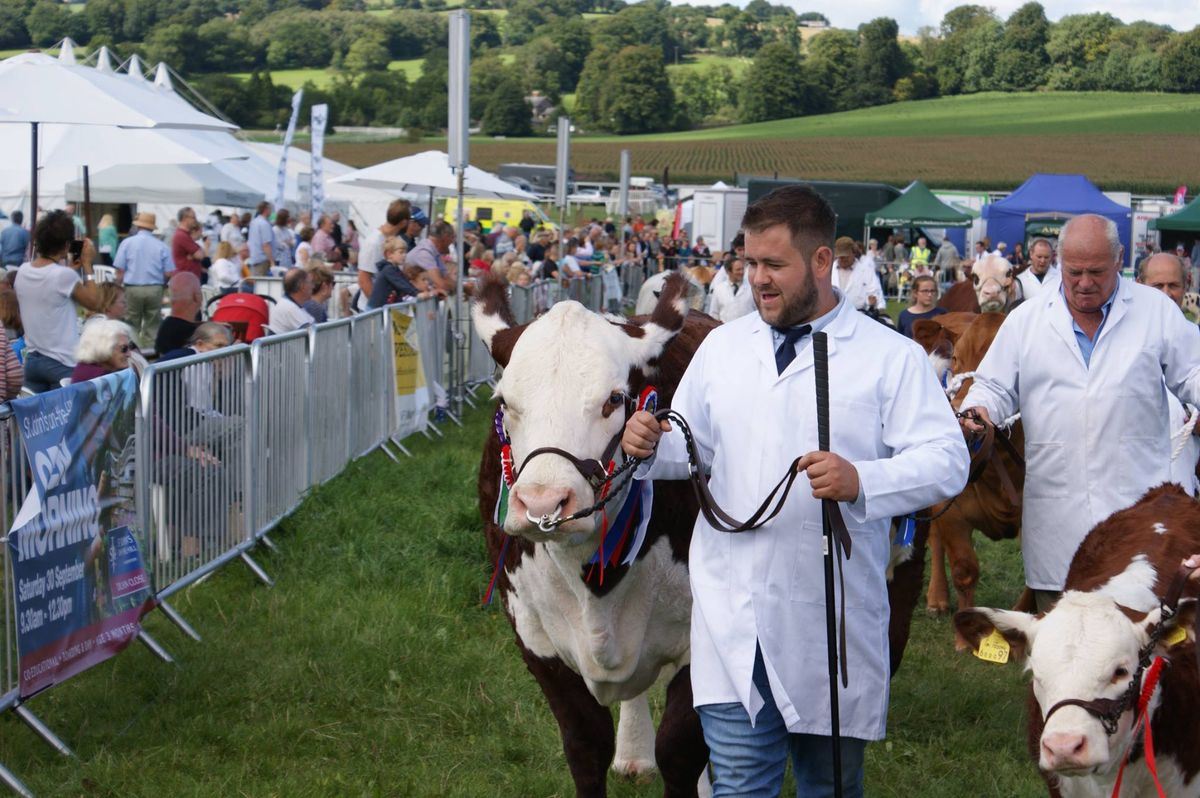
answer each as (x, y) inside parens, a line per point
(260, 234)
(426, 255)
(144, 259)
(182, 247)
(1086, 345)
(323, 243)
(817, 324)
(14, 240)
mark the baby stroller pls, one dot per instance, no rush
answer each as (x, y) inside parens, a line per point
(246, 314)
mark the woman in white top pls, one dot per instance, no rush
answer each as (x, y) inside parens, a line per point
(304, 249)
(225, 274)
(570, 264)
(47, 289)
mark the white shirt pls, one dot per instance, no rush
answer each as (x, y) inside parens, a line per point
(225, 273)
(891, 419)
(48, 311)
(1097, 436)
(371, 252)
(859, 282)
(286, 316)
(1031, 286)
(726, 304)
(232, 232)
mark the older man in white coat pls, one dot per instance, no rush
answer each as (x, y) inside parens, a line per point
(759, 671)
(733, 298)
(1042, 271)
(1087, 363)
(856, 277)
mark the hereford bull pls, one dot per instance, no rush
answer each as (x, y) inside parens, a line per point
(991, 502)
(1089, 646)
(594, 634)
(592, 637)
(990, 287)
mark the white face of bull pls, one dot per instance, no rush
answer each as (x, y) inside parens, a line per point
(1086, 647)
(565, 386)
(993, 279)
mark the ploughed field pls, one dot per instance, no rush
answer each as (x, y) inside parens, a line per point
(1132, 142)
(370, 669)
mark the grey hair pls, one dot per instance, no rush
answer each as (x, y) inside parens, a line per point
(209, 332)
(1110, 233)
(1040, 240)
(99, 340)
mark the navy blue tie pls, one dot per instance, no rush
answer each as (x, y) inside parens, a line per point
(786, 352)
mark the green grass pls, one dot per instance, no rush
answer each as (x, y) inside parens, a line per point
(705, 61)
(370, 670)
(323, 78)
(410, 67)
(1030, 113)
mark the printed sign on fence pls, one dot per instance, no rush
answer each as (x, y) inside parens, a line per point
(82, 584)
(412, 394)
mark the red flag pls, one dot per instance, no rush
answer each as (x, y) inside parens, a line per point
(1180, 195)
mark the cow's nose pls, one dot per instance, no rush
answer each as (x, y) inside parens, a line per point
(1064, 750)
(537, 501)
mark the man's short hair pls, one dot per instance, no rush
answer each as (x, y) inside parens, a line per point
(53, 233)
(1111, 235)
(441, 229)
(17, 217)
(262, 207)
(293, 281)
(210, 332)
(183, 213)
(1035, 243)
(806, 214)
(399, 212)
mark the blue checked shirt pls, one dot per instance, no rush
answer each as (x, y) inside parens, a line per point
(144, 259)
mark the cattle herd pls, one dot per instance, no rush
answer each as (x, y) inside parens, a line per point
(601, 609)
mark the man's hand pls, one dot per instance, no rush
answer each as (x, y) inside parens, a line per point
(642, 432)
(968, 422)
(832, 476)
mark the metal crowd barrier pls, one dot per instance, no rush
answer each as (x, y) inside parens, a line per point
(228, 443)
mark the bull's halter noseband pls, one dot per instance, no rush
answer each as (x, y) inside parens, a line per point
(1109, 710)
(600, 473)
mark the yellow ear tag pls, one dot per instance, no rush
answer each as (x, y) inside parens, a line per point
(993, 648)
(1175, 637)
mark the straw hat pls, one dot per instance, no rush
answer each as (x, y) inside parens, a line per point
(146, 221)
(843, 247)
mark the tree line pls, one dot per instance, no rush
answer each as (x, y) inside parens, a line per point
(614, 64)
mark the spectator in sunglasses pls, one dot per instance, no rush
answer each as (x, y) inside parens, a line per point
(105, 346)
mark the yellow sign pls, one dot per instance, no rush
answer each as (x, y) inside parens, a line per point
(408, 363)
(993, 648)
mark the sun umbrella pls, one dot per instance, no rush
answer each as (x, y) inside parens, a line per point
(430, 171)
(36, 89)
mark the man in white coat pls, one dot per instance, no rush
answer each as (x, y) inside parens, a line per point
(856, 278)
(759, 670)
(1087, 363)
(732, 298)
(1041, 272)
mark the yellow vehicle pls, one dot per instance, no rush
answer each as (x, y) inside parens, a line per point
(491, 212)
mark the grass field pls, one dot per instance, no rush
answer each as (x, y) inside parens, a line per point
(370, 670)
(1132, 142)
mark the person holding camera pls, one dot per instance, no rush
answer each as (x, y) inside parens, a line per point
(48, 288)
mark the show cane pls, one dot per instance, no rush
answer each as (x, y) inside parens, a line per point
(828, 506)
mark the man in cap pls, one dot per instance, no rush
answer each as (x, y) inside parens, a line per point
(855, 277)
(144, 265)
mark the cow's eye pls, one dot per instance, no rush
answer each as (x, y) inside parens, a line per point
(616, 398)
(1120, 673)
(975, 279)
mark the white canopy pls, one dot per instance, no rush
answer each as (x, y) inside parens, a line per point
(431, 170)
(37, 88)
(175, 184)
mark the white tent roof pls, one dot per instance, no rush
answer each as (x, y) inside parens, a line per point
(187, 184)
(37, 88)
(425, 170)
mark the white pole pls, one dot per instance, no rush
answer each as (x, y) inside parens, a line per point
(623, 197)
(459, 143)
(562, 167)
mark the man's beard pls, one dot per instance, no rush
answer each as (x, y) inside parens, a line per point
(799, 309)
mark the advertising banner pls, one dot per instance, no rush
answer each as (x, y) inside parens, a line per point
(281, 177)
(320, 115)
(76, 545)
(412, 394)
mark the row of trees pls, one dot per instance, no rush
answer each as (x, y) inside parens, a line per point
(614, 63)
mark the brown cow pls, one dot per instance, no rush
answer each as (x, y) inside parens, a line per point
(1091, 645)
(991, 502)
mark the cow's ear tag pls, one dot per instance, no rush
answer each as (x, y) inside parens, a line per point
(993, 648)
(1175, 637)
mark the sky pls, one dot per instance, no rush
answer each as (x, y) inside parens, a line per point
(1182, 15)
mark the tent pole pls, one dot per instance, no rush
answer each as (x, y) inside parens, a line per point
(87, 201)
(431, 205)
(33, 188)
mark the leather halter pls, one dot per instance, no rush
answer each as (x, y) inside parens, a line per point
(1109, 710)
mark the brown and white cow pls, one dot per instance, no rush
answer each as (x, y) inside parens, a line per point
(1087, 647)
(592, 643)
(990, 286)
(991, 502)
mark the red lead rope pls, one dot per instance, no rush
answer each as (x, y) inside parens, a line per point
(1144, 723)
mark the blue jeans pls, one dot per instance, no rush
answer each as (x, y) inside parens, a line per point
(749, 761)
(44, 373)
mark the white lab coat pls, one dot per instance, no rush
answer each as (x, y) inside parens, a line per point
(862, 283)
(726, 305)
(1030, 287)
(890, 418)
(1098, 437)
(1183, 467)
